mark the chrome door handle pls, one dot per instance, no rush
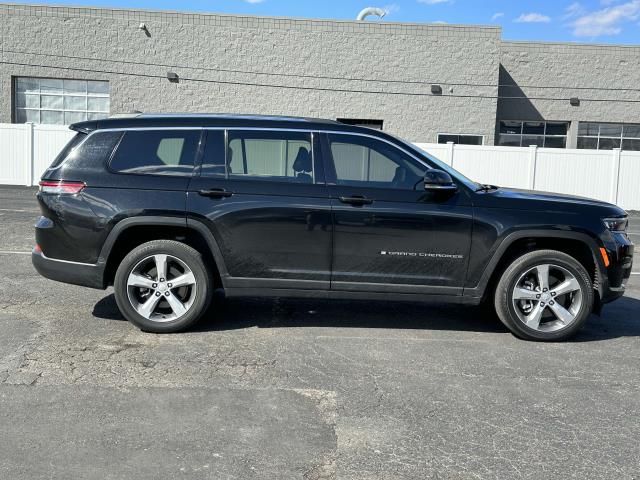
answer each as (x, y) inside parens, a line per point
(216, 193)
(356, 200)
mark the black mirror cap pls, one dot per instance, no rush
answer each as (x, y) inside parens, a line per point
(438, 180)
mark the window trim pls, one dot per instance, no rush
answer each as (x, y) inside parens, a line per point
(271, 129)
(402, 145)
(483, 137)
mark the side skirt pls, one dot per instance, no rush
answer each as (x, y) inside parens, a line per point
(340, 294)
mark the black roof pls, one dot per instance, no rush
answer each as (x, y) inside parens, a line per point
(211, 120)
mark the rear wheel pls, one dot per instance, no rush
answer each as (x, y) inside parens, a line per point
(544, 295)
(163, 286)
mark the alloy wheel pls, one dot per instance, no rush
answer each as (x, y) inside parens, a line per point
(547, 298)
(161, 288)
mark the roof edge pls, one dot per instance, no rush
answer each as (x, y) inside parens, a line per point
(567, 44)
(265, 17)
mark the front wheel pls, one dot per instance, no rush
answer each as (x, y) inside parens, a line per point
(163, 286)
(544, 295)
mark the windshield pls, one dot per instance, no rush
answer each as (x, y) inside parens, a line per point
(441, 165)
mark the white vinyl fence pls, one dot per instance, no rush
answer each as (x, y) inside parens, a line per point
(612, 175)
(26, 150)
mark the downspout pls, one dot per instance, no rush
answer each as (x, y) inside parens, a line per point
(378, 12)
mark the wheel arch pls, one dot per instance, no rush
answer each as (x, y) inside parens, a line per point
(131, 232)
(579, 245)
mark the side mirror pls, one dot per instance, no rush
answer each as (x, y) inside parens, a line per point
(439, 181)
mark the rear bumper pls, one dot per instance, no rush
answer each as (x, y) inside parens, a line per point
(83, 274)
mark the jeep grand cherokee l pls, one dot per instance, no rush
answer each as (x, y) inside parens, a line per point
(167, 208)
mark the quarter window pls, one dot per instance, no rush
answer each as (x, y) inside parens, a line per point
(95, 150)
(73, 143)
(162, 152)
(275, 156)
(60, 102)
(525, 134)
(367, 162)
(607, 136)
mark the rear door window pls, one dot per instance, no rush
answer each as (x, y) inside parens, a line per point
(157, 152)
(270, 155)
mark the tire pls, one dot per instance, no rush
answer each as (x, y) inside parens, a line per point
(533, 313)
(154, 303)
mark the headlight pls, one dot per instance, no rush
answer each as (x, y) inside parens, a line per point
(616, 224)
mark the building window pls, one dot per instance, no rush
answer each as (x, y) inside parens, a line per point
(525, 134)
(59, 102)
(361, 122)
(607, 136)
(461, 139)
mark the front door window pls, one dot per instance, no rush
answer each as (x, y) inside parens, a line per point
(370, 163)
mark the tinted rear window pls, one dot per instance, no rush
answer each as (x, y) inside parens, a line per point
(161, 152)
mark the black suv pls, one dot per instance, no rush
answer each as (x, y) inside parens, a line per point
(167, 208)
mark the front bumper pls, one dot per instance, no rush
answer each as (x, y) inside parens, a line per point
(616, 275)
(83, 274)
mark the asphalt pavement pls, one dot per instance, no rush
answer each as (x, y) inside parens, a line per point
(284, 389)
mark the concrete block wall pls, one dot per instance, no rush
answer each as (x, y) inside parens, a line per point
(606, 79)
(225, 63)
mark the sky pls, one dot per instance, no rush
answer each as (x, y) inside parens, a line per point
(590, 21)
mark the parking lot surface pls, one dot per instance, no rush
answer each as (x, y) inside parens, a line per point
(291, 389)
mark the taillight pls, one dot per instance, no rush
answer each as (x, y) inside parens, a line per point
(48, 186)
